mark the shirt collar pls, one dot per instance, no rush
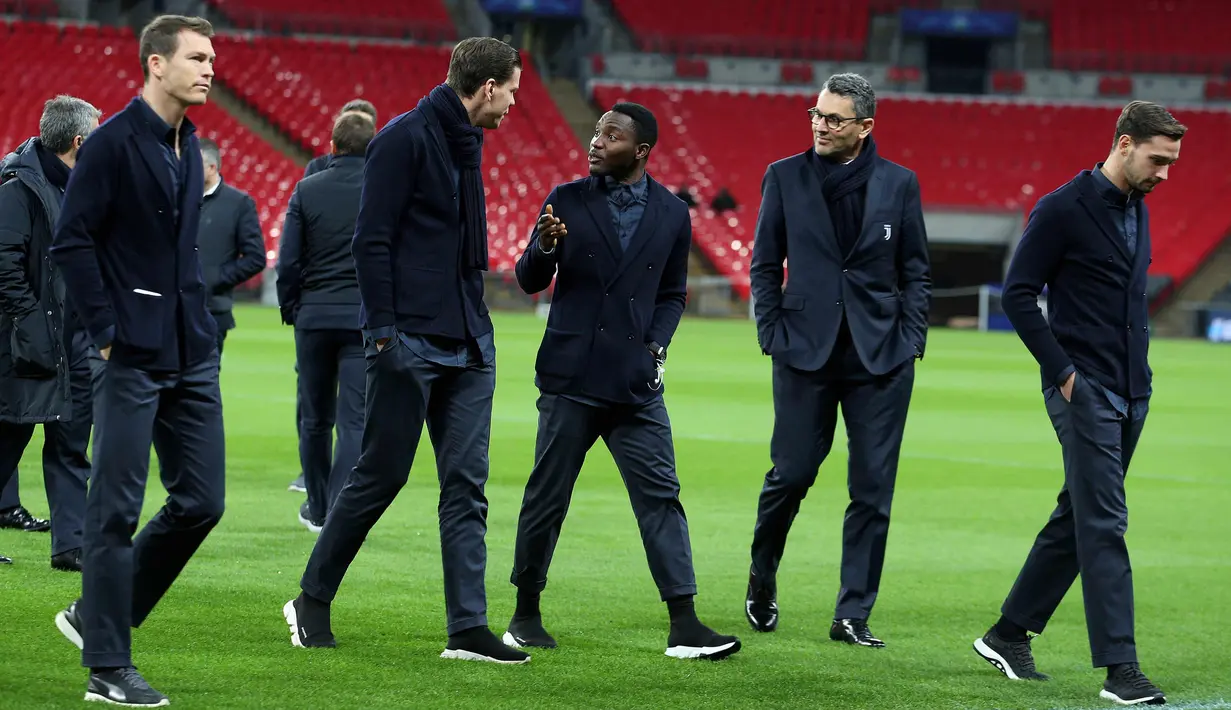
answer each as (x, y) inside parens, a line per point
(1109, 192)
(638, 189)
(215, 188)
(161, 130)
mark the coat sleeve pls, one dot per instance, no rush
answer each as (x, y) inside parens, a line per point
(916, 270)
(79, 230)
(250, 246)
(389, 178)
(535, 268)
(1038, 257)
(289, 264)
(16, 297)
(673, 288)
(769, 252)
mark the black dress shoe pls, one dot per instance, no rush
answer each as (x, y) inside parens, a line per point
(854, 632)
(68, 561)
(761, 604)
(20, 519)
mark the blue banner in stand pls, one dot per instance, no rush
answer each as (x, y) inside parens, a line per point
(958, 23)
(539, 8)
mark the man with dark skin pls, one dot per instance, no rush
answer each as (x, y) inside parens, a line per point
(621, 280)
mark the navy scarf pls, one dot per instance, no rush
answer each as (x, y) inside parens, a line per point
(466, 146)
(843, 187)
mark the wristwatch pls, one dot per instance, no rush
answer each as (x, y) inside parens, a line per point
(656, 350)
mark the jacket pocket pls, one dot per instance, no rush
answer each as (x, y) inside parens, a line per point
(139, 319)
(34, 353)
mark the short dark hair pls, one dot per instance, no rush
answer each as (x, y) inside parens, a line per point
(477, 59)
(162, 36)
(643, 119)
(857, 89)
(360, 105)
(1143, 120)
(351, 134)
(211, 152)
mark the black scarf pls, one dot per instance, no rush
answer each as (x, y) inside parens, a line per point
(54, 169)
(466, 145)
(843, 188)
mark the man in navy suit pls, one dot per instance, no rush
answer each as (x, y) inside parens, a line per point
(621, 279)
(420, 251)
(126, 241)
(1088, 242)
(845, 332)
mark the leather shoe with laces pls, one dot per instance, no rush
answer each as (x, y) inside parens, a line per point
(854, 632)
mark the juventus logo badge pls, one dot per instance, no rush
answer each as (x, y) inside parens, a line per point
(888, 232)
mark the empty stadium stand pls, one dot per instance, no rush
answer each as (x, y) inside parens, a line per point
(298, 85)
(72, 61)
(1172, 36)
(782, 28)
(421, 19)
(968, 153)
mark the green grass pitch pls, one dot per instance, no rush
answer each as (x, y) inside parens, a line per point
(979, 474)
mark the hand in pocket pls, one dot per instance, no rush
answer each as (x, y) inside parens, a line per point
(34, 355)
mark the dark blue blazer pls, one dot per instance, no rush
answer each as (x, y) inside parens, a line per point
(883, 287)
(608, 303)
(408, 238)
(1098, 318)
(132, 275)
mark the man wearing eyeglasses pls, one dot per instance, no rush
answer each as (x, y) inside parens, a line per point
(621, 278)
(844, 333)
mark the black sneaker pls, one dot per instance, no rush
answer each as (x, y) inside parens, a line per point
(306, 519)
(480, 644)
(854, 632)
(123, 686)
(1013, 658)
(1127, 685)
(69, 624)
(5, 560)
(528, 632)
(700, 641)
(69, 561)
(761, 604)
(298, 485)
(309, 626)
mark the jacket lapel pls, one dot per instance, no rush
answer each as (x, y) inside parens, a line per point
(814, 195)
(872, 199)
(1093, 204)
(151, 153)
(596, 203)
(645, 228)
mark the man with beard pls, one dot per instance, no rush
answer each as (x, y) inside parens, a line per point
(621, 280)
(1088, 243)
(845, 333)
(45, 377)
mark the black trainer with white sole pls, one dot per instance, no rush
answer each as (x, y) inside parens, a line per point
(124, 687)
(309, 623)
(700, 642)
(1127, 685)
(1013, 658)
(528, 633)
(305, 519)
(854, 632)
(480, 644)
(69, 624)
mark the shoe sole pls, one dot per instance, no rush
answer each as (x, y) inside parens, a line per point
(709, 653)
(70, 633)
(998, 661)
(513, 642)
(1108, 695)
(308, 524)
(292, 621)
(96, 698)
(458, 654)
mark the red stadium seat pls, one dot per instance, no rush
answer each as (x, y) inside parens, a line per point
(423, 19)
(1169, 36)
(1009, 155)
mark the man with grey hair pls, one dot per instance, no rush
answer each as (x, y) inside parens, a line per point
(45, 373)
(232, 247)
(844, 334)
